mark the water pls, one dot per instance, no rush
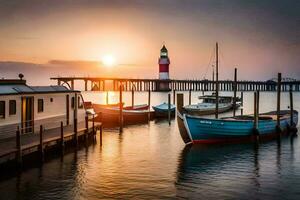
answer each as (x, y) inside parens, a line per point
(150, 161)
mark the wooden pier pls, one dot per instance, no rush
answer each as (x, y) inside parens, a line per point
(100, 84)
(15, 148)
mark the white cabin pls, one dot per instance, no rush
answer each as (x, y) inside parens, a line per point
(27, 107)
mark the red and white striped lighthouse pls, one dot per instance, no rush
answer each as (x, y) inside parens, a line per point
(163, 62)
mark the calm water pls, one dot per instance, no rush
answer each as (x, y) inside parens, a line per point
(150, 161)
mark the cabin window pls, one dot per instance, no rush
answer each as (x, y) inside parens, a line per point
(80, 103)
(40, 105)
(73, 102)
(12, 107)
(2, 109)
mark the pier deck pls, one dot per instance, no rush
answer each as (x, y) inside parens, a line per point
(31, 142)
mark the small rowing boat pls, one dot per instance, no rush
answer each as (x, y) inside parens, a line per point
(162, 110)
(208, 105)
(110, 116)
(195, 129)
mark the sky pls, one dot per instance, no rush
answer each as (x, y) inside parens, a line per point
(71, 37)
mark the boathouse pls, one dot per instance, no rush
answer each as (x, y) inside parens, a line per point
(26, 107)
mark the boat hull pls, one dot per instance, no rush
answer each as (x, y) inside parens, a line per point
(162, 110)
(202, 130)
(110, 117)
(182, 130)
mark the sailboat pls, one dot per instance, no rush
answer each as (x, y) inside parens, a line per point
(196, 129)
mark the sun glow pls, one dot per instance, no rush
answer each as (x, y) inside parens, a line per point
(108, 60)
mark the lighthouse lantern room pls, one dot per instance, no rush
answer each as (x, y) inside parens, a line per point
(163, 62)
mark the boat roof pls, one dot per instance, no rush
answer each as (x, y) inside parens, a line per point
(17, 87)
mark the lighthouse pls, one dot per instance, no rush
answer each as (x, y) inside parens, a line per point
(164, 62)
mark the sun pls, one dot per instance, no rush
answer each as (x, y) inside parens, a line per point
(108, 60)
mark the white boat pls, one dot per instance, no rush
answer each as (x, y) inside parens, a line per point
(208, 105)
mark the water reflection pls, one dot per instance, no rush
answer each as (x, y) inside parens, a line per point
(217, 168)
(232, 171)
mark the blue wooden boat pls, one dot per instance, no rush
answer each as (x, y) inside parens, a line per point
(195, 129)
(162, 109)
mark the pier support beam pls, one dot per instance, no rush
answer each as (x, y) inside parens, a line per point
(234, 91)
(62, 142)
(41, 147)
(19, 148)
(121, 108)
(75, 119)
(278, 128)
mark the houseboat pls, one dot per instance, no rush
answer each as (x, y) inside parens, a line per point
(26, 107)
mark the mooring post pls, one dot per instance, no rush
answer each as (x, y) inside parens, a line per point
(75, 119)
(41, 143)
(19, 147)
(132, 95)
(94, 133)
(62, 143)
(121, 109)
(190, 97)
(293, 128)
(86, 127)
(149, 103)
(174, 98)
(107, 98)
(169, 108)
(255, 122)
(278, 128)
(85, 85)
(242, 103)
(291, 108)
(234, 90)
(101, 132)
(180, 103)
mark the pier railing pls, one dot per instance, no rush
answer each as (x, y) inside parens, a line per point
(103, 84)
(31, 126)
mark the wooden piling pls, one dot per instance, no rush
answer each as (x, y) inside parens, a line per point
(19, 148)
(62, 143)
(121, 109)
(291, 108)
(75, 119)
(100, 134)
(41, 146)
(169, 108)
(255, 120)
(242, 103)
(278, 128)
(87, 128)
(234, 91)
(132, 95)
(180, 103)
(93, 124)
(174, 97)
(190, 97)
(107, 98)
(257, 103)
(149, 104)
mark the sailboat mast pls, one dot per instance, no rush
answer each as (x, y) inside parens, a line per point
(217, 80)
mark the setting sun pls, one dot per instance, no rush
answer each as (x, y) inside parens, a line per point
(108, 60)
